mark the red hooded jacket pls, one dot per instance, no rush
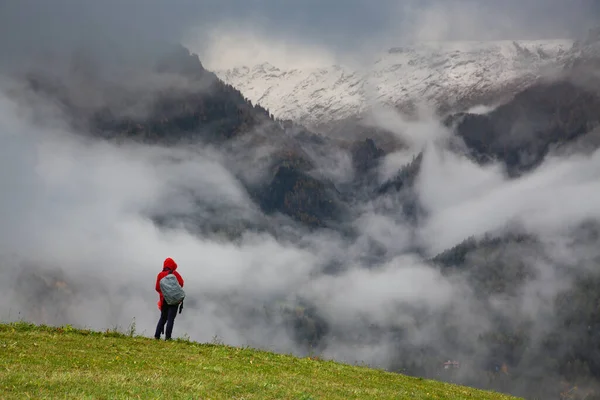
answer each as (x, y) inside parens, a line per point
(168, 265)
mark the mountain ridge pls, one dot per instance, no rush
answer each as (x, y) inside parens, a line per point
(442, 73)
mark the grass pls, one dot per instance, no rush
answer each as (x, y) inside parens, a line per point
(49, 362)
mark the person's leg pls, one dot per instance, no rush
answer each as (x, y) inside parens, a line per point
(172, 313)
(160, 327)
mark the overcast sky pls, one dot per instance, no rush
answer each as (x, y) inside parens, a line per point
(340, 26)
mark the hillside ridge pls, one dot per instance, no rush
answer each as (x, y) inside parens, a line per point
(44, 361)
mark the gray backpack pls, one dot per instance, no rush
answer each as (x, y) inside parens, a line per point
(171, 290)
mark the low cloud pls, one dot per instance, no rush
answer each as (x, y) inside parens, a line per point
(84, 236)
(230, 45)
(84, 245)
(474, 200)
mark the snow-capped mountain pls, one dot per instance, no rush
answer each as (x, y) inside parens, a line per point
(443, 74)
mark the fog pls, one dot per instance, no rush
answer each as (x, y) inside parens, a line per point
(84, 208)
(80, 243)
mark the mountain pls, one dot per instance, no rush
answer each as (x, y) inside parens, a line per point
(175, 101)
(446, 74)
(499, 302)
(557, 114)
(522, 132)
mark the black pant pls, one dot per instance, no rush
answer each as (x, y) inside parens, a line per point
(167, 316)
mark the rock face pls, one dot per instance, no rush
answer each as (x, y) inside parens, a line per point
(445, 74)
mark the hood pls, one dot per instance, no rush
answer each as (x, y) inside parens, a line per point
(170, 263)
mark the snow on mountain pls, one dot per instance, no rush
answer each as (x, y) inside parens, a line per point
(441, 73)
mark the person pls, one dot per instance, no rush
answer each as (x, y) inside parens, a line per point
(167, 312)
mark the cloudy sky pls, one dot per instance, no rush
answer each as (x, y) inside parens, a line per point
(336, 26)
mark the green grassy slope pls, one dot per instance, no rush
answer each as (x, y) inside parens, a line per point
(45, 362)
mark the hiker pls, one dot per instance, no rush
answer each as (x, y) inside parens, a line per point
(169, 285)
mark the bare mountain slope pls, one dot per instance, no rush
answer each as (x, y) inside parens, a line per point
(440, 73)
